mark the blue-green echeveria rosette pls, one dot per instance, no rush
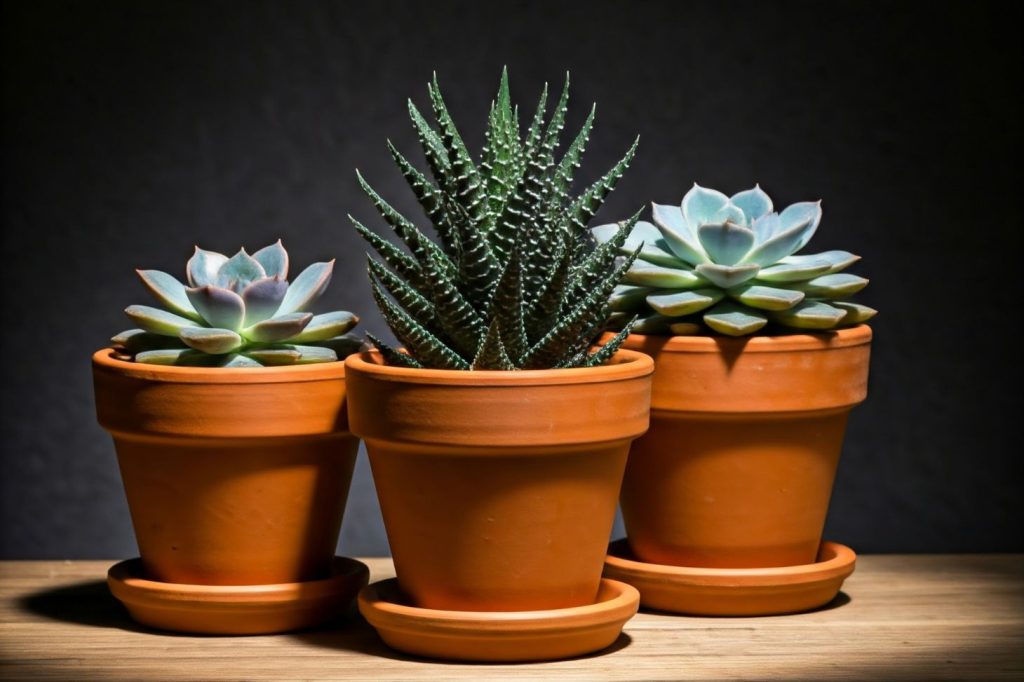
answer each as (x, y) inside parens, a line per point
(237, 312)
(730, 265)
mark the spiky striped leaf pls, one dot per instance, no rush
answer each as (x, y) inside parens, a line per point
(420, 342)
(401, 263)
(611, 348)
(455, 315)
(392, 356)
(587, 204)
(492, 354)
(413, 301)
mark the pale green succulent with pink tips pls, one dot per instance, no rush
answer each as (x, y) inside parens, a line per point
(728, 264)
(237, 312)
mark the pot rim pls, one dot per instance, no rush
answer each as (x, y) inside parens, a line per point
(104, 360)
(625, 364)
(846, 337)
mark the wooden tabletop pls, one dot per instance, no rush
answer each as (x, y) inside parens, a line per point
(899, 617)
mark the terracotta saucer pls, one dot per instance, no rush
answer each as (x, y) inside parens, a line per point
(733, 591)
(498, 635)
(236, 610)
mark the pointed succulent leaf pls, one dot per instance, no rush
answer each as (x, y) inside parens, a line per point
(679, 236)
(456, 316)
(262, 298)
(587, 204)
(467, 177)
(779, 245)
(203, 266)
(731, 213)
(211, 341)
(307, 287)
(506, 311)
(626, 297)
(766, 298)
(810, 315)
(325, 326)
(608, 350)
(404, 265)
(492, 354)
(836, 285)
(766, 227)
(392, 356)
(274, 356)
(157, 321)
(280, 328)
(655, 250)
(726, 276)
(430, 197)
(237, 360)
(274, 259)
(855, 312)
(726, 243)
(645, 274)
(138, 340)
(419, 341)
(174, 356)
(169, 291)
(408, 297)
(218, 307)
(733, 319)
(571, 160)
(238, 271)
(678, 303)
(701, 204)
(837, 260)
(794, 272)
(754, 203)
(799, 213)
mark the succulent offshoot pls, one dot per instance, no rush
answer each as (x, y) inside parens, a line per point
(514, 281)
(727, 264)
(236, 312)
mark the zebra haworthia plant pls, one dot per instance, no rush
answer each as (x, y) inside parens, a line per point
(515, 282)
(236, 312)
(727, 263)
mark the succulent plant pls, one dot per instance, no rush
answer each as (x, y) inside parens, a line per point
(727, 263)
(515, 282)
(236, 312)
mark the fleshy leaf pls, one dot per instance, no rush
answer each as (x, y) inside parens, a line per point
(794, 272)
(766, 298)
(219, 307)
(343, 346)
(701, 203)
(766, 227)
(307, 287)
(326, 326)
(810, 315)
(780, 245)
(169, 291)
(627, 297)
(202, 267)
(272, 357)
(855, 312)
(836, 285)
(646, 274)
(726, 243)
(158, 321)
(797, 214)
(278, 328)
(685, 328)
(274, 259)
(139, 340)
(837, 260)
(655, 249)
(651, 324)
(211, 341)
(238, 271)
(678, 234)
(235, 360)
(727, 276)
(734, 320)
(262, 298)
(754, 203)
(175, 356)
(679, 303)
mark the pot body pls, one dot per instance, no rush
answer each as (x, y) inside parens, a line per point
(233, 476)
(737, 468)
(498, 489)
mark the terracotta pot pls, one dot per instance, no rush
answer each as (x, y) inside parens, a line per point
(233, 476)
(498, 489)
(737, 468)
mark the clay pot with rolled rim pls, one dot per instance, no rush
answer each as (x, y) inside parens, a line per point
(234, 476)
(498, 488)
(737, 468)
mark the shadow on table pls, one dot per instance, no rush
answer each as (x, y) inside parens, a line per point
(88, 603)
(840, 600)
(355, 634)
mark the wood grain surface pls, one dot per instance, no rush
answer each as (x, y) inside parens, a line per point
(899, 617)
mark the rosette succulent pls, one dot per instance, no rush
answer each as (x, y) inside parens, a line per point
(236, 312)
(728, 264)
(515, 282)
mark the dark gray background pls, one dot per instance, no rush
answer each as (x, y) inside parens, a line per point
(133, 130)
